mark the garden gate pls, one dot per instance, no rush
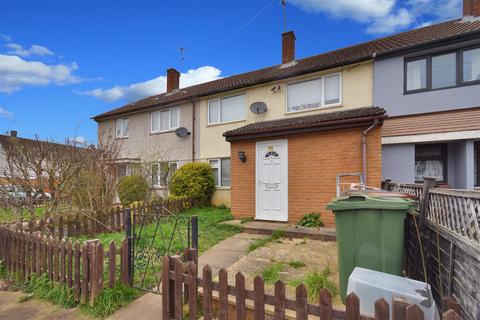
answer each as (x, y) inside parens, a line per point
(153, 234)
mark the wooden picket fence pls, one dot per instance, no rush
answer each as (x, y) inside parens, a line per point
(113, 221)
(185, 288)
(80, 267)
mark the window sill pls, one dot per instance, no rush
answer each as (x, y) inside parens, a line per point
(331, 106)
(164, 131)
(227, 122)
(121, 138)
(223, 188)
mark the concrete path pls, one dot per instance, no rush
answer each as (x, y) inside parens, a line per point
(222, 255)
(12, 309)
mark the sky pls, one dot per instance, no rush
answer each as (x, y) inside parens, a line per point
(63, 62)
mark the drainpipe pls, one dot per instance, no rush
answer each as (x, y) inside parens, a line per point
(193, 130)
(364, 150)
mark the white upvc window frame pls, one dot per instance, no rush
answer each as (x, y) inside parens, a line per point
(323, 105)
(170, 127)
(219, 100)
(158, 184)
(218, 166)
(122, 121)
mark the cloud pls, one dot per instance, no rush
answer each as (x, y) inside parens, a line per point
(16, 73)
(34, 50)
(391, 22)
(5, 113)
(5, 37)
(154, 86)
(385, 16)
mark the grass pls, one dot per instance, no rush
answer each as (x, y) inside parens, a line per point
(316, 281)
(40, 287)
(7, 214)
(110, 300)
(276, 235)
(211, 231)
(271, 273)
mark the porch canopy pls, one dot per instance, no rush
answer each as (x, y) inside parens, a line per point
(352, 118)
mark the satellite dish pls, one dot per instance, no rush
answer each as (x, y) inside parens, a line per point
(182, 132)
(258, 107)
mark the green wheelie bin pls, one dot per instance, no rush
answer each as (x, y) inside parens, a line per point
(369, 234)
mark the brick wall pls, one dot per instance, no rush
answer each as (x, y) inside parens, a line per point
(314, 160)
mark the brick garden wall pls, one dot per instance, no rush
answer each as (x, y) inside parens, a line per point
(314, 160)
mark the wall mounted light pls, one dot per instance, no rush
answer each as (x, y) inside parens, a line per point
(241, 156)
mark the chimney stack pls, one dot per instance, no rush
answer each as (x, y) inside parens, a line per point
(13, 133)
(471, 8)
(173, 80)
(288, 46)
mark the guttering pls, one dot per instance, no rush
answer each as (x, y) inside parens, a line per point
(193, 129)
(364, 149)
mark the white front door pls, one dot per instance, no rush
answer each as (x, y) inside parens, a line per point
(272, 180)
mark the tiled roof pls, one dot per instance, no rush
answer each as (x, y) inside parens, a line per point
(352, 54)
(337, 119)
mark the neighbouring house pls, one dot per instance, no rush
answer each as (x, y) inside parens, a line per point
(187, 124)
(283, 169)
(432, 96)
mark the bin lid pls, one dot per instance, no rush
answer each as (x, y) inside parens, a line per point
(363, 201)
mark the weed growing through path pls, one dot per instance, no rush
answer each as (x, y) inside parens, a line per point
(271, 274)
(276, 235)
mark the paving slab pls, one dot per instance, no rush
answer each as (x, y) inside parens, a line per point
(227, 252)
(147, 307)
(291, 230)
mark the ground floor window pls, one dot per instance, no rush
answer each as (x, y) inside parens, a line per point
(477, 164)
(431, 161)
(126, 169)
(221, 171)
(162, 172)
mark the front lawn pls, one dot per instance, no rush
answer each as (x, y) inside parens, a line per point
(210, 232)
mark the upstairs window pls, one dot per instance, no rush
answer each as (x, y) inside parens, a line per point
(165, 120)
(313, 94)
(431, 161)
(439, 71)
(121, 128)
(444, 71)
(416, 74)
(471, 65)
(226, 109)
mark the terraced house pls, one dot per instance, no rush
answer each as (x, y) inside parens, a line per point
(432, 95)
(277, 138)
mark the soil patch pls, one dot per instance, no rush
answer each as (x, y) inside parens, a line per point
(293, 260)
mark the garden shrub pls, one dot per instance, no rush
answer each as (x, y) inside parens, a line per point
(311, 220)
(193, 180)
(132, 189)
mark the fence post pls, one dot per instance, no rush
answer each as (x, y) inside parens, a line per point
(194, 232)
(128, 235)
(429, 183)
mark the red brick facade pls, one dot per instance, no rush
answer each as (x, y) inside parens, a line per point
(314, 160)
